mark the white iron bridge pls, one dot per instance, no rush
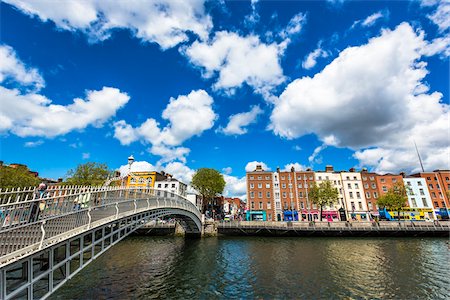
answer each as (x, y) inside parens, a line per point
(45, 240)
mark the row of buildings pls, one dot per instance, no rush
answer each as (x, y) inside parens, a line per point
(283, 195)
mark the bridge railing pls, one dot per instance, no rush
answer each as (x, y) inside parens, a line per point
(29, 223)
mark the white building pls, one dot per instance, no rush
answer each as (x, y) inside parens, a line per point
(195, 199)
(172, 185)
(335, 179)
(418, 195)
(354, 196)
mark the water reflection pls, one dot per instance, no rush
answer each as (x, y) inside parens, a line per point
(155, 267)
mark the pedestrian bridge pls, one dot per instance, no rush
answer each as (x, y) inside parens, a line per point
(46, 241)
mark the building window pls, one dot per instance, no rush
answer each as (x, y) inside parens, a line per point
(284, 194)
(310, 178)
(356, 186)
(278, 204)
(133, 180)
(382, 180)
(267, 185)
(320, 177)
(166, 185)
(421, 192)
(268, 194)
(259, 194)
(436, 204)
(364, 178)
(413, 202)
(384, 188)
(260, 205)
(252, 185)
(283, 185)
(424, 202)
(269, 206)
(440, 195)
(358, 195)
(291, 195)
(372, 178)
(446, 179)
(327, 178)
(173, 185)
(354, 178)
(252, 194)
(360, 205)
(374, 186)
(302, 205)
(285, 206)
(300, 194)
(159, 185)
(352, 205)
(314, 206)
(408, 183)
(437, 186)
(251, 177)
(443, 204)
(430, 186)
(368, 195)
(299, 185)
(277, 195)
(375, 195)
(259, 177)
(267, 177)
(351, 195)
(252, 205)
(433, 194)
(259, 185)
(349, 186)
(419, 183)
(270, 217)
(282, 178)
(348, 178)
(370, 205)
(428, 178)
(366, 185)
(290, 185)
(276, 185)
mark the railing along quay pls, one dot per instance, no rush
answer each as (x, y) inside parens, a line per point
(29, 223)
(382, 228)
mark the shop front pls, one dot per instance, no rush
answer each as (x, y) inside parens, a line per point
(290, 215)
(255, 215)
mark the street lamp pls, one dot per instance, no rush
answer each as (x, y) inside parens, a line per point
(130, 162)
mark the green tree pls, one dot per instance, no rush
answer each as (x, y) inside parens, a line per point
(16, 177)
(324, 194)
(90, 173)
(395, 198)
(209, 183)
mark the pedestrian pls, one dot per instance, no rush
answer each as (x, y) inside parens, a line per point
(38, 206)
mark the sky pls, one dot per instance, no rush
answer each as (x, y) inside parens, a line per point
(182, 85)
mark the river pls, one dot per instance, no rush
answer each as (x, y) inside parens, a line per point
(143, 267)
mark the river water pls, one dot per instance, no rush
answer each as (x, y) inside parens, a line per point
(265, 268)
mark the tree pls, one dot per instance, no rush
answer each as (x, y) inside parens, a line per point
(209, 183)
(16, 177)
(324, 194)
(90, 173)
(395, 198)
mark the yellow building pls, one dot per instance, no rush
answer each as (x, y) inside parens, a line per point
(143, 179)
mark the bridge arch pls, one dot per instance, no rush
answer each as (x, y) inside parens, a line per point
(76, 225)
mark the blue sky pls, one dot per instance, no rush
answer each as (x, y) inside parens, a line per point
(189, 84)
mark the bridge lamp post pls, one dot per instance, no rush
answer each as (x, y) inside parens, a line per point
(130, 162)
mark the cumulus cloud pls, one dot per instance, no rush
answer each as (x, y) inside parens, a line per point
(294, 27)
(187, 116)
(441, 16)
(13, 69)
(165, 22)
(227, 170)
(371, 99)
(237, 60)
(235, 186)
(297, 167)
(33, 114)
(86, 155)
(237, 123)
(137, 166)
(251, 166)
(311, 59)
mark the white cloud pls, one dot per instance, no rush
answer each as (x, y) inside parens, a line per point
(165, 22)
(237, 60)
(235, 187)
(137, 166)
(294, 27)
(33, 144)
(11, 68)
(297, 167)
(311, 59)
(179, 171)
(86, 155)
(371, 97)
(227, 170)
(371, 20)
(297, 148)
(187, 116)
(251, 166)
(314, 158)
(35, 115)
(237, 123)
(441, 16)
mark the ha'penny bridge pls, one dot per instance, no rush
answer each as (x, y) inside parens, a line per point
(45, 241)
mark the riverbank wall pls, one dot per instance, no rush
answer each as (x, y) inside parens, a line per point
(336, 229)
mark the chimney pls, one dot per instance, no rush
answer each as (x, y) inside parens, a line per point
(278, 169)
(364, 170)
(329, 168)
(352, 170)
(309, 170)
(292, 169)
(403, 174)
